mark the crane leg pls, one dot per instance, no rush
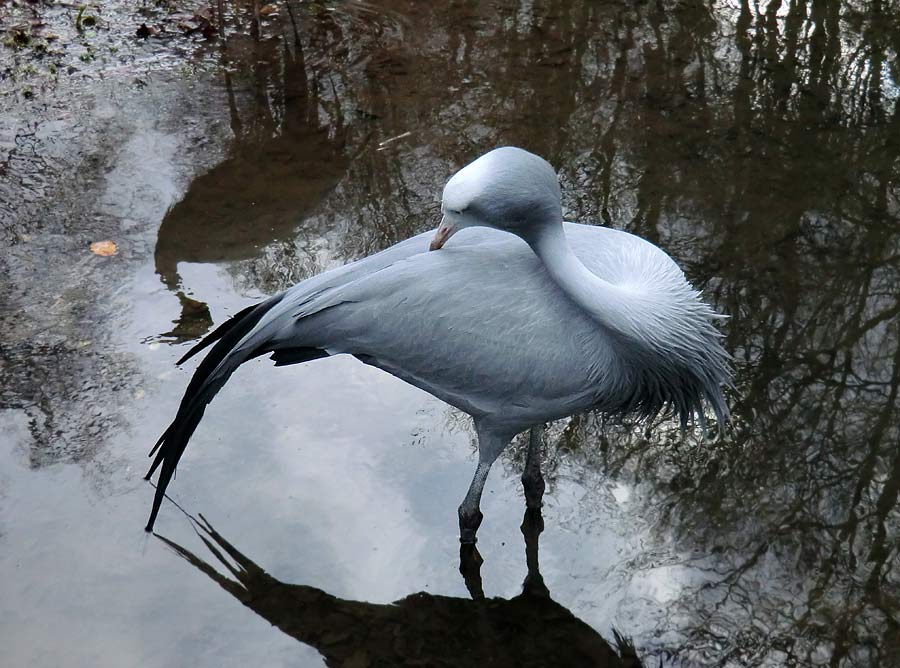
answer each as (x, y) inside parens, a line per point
(532, 479)
(470, 509)
(490, 445)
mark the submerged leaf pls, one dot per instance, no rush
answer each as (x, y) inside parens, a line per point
(104, 248)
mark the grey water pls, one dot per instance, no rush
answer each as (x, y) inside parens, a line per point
(757, 143)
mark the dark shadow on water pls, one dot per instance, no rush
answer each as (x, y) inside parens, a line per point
(194, 321)
(422, 629)
(284, 159)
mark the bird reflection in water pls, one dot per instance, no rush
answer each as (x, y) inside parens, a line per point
(422, 629)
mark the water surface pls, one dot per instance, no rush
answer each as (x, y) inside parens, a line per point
(758, 144)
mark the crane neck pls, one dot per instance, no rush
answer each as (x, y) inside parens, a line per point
(610, 305)
(654, 314)
(651, 306)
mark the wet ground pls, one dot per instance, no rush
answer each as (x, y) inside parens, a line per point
(758, 144)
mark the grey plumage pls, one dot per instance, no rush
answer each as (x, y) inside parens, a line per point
(513, 328)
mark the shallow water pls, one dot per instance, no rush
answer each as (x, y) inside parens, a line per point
(758, 144)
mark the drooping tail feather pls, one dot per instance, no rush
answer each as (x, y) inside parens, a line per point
(208, 379)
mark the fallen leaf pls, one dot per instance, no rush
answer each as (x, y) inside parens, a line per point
(104, 248)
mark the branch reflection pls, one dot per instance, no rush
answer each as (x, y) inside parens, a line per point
(758, 144)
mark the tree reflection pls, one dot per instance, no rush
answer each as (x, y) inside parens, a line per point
(288, 152)
(759, 144)
(790, 210)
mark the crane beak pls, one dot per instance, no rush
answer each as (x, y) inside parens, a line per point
(444, 232)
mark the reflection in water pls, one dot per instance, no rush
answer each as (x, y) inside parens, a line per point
(423, 629)
(193, 322)
(759, 144)
(287, 154)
